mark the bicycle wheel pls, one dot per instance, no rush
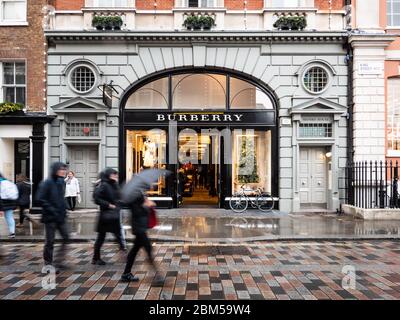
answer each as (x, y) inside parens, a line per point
(265, 202)
(238, 202)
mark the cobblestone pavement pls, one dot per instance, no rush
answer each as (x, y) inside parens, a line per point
(276, 270)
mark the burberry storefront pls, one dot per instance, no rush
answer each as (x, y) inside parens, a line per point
(215, 131)
(220, 110)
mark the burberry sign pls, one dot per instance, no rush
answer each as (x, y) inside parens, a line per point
(265, 117)
(200, 117)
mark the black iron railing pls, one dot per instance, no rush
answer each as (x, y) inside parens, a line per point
(373, 184)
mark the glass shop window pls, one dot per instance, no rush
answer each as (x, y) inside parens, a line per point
(146, 149)
(251, 160)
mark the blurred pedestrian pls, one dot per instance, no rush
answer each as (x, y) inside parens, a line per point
(140, 208)
(24, 198)
(72, 191)
(107, 196)
(8, 203)
(51, 197)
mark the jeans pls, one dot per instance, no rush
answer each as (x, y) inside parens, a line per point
(123, 240)
(141, 240)
(101, 236)
(71, 203)
(9, 216)
(51, 229)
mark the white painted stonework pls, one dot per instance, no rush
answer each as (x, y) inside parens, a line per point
(369, 96)
(371, 214)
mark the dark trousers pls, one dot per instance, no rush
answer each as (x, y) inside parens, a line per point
(51, 229)
(141, 240)
(22, 215)
(71, 202)
(101, 236)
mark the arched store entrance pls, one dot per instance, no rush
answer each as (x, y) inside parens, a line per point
(215, 130)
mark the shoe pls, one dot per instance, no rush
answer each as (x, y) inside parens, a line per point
(62, 267)
(99, 262)
(129, 277)
(123, 249)
(19, 225)
(12, 235)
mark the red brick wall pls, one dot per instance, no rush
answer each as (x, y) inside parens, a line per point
(68, 4)
(28, 43)
(324, 4)
(259, 4)
(169, 4)
(239, 4)
(149, 4)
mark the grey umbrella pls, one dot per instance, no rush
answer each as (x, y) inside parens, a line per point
(140, 183)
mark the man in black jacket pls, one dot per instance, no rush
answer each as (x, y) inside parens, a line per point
(51, 197)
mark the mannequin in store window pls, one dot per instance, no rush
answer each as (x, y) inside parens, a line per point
(149, 154)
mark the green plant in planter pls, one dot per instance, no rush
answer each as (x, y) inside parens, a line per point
(291, 23)
(206, 22)
(108, 22)
(117, 23)
(9, 107)
(98, 22)
(192, 22)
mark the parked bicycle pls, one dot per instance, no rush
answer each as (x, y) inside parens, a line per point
(240, 201)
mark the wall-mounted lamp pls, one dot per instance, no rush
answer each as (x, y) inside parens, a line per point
(328, 154)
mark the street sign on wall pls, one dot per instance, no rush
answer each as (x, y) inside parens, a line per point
(370, 67)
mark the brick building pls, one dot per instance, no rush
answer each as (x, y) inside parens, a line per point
(23, 56)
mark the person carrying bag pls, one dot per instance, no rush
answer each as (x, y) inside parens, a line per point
(107, 196)
(8, 203)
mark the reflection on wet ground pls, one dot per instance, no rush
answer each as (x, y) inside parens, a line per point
(222, 225)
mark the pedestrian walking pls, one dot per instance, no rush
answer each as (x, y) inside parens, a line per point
(8, 203)
(140, 209)
(51, 197)
(72, 191)
(24, 198)
(107, 196)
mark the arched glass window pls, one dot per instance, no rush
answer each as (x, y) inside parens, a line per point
(199, 91)
(153, 95)
(244, 95)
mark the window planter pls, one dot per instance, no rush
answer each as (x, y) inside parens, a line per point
(10, 108)
(198, 22)
(107, 22)
(291, 23)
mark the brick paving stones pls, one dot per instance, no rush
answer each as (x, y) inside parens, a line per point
(306, 270)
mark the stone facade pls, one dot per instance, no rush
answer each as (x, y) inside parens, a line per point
(276, 66)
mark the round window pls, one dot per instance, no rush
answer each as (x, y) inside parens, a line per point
(82, 79)
(316, 79)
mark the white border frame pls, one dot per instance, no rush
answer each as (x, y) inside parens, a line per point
(14, 22)
(319, 65)
(389, 16)
(2, 76)
(71, 71)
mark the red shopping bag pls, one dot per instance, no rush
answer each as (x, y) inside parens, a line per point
(152, 218)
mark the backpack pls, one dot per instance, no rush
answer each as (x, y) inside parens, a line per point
(8, 190)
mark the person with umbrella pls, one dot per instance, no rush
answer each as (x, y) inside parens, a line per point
(107, 196)
(133, 194)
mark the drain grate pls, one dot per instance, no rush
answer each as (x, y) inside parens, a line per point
(218, 250)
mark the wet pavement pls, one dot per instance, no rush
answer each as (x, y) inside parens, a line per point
(200, 225)
(285, 270)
